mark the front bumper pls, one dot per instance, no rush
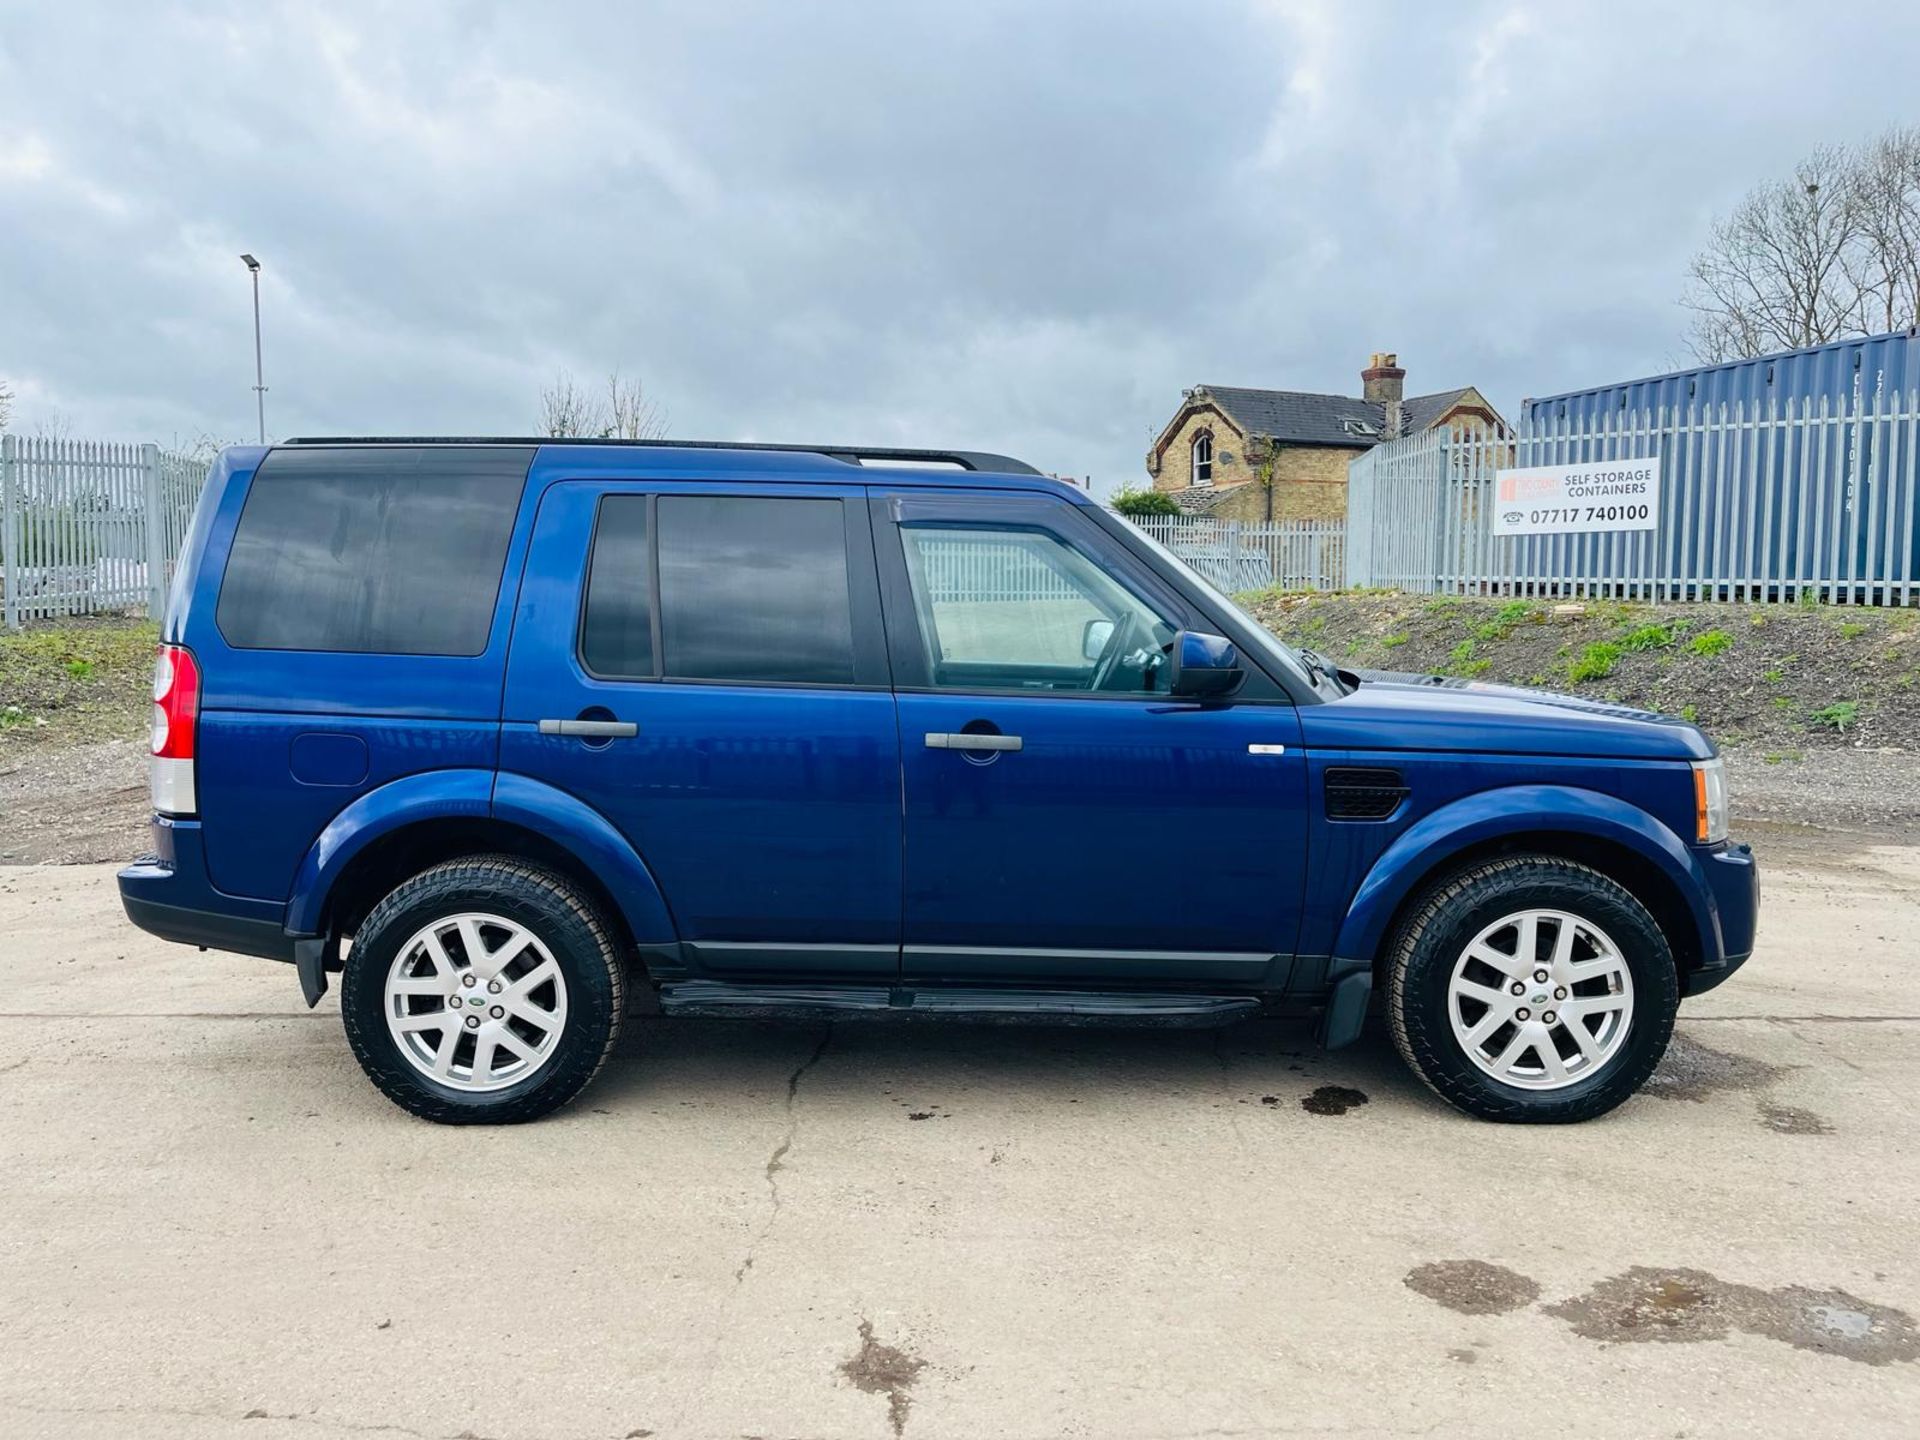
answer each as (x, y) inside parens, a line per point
(1733, 878)
(168, 894)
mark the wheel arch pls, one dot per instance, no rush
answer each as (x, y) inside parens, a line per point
(405, 827)
(1620, 841)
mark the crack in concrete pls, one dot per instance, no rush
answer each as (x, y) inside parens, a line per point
(777, 1160)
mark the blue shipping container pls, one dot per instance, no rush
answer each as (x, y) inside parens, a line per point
(1782, 474)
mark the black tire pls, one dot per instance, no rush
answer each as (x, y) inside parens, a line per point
(1445, 920)
(565, 921)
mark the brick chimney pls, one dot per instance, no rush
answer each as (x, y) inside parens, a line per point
(1383, 381)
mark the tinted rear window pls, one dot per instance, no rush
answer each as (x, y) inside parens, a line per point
(374, 551)
(754, 589)
(616, 634)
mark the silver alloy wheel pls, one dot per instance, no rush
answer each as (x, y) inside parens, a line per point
(1541, 999)
(475, 1002)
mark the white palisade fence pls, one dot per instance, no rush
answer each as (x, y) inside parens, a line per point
(1283, 554)
(1758, 501)
(89, 526)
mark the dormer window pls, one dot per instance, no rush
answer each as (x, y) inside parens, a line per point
(1203, 458)
(1365, 428)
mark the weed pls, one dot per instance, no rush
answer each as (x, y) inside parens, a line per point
(1690, 712)
(1852, 629)
(78, 669)
(1513, 613)
(1652, 637)
(1808, 600)
(1596, 662)
(1783, 757)
(1440, 604)
(1783, 702)
(1393, 642)
(1710, 642)
(1838, 717)
(1773, 677)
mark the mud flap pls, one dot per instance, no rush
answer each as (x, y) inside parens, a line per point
(1346, 1010)
(311, 958)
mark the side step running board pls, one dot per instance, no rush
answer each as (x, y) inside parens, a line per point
(714, 997)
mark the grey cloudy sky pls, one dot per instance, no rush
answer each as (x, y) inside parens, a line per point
(1010, 226)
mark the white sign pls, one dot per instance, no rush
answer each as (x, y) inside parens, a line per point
(1557, 499)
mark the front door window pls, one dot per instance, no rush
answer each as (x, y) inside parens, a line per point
(1019, 609)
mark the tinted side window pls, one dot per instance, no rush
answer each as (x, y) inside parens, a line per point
(616, 632)
(372, 550)
(754, 589)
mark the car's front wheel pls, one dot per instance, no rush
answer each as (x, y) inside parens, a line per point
(1532, 989)
(482, 991)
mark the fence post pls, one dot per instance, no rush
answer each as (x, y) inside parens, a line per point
(10, 528)
(156, 533)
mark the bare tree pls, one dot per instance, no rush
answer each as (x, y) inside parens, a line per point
(625, 412)
(631, 413)
(6, 403)
(54, 426)
(1776, 274)
(567, 409)
(1886, 269)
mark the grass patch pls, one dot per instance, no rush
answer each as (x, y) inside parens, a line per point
(1596, 662)
(1840, 717)
(1514, 612)
(80, 680)
(1653, 637)
(1710, 642)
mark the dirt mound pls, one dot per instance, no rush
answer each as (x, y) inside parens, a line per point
(1780, 678)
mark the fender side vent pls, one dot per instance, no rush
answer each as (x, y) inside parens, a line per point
(1354, 793)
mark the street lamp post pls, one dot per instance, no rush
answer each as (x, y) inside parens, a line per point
(259, 376)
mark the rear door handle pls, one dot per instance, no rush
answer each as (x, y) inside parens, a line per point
(591, 729)
(958, 741)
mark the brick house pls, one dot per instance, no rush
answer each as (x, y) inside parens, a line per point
(1225, 442)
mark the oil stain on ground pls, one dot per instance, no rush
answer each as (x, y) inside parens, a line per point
(1680, 1306)
(879, 1369)
(1692, 1071)
(1333, 1100)
(1473, 1287)
(1792, 1120)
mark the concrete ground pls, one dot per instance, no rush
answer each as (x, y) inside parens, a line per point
(215, 1227)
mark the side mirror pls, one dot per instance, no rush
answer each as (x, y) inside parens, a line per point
(1094, 638)
(1203, 665)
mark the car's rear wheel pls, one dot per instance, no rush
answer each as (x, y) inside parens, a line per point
(1532, 989)
(482, 991)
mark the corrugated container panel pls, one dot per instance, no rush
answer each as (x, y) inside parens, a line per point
(1845, 371)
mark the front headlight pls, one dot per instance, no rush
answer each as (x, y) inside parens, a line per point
(1710, 801)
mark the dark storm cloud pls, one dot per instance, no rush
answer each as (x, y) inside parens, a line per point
(1020, 227)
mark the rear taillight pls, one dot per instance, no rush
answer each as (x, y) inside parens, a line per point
(176, 716)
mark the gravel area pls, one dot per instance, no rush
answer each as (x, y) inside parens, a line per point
(69, 804)
(72, 804)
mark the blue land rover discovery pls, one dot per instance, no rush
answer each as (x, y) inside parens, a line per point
(521, 736)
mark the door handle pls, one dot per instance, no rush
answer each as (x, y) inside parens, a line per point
(590, 729)
(961, 741)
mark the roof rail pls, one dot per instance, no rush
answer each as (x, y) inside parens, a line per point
(847, 454)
